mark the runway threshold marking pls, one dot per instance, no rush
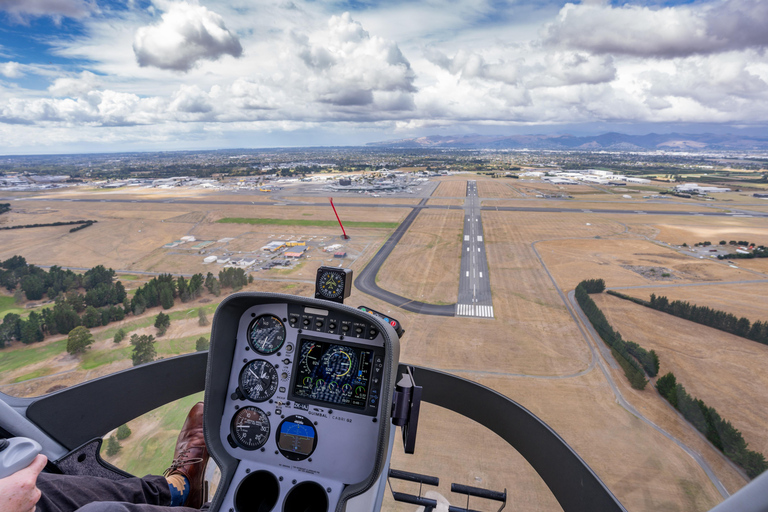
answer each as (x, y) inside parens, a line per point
(474, 310)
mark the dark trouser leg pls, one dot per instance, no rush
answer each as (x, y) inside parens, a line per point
(67, 493)
(111, 506)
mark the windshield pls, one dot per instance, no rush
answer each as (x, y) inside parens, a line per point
(565, 203)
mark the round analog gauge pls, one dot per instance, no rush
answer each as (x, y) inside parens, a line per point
(250, 428)
(337, 362)
(266, 334)
(311, 359)
(330, 285)
(258, 380)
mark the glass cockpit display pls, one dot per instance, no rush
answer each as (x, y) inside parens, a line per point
(335, 374)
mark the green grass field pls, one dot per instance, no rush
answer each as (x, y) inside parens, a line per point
(152, 453)
(8, 305)
(31, 354)
(307, 222)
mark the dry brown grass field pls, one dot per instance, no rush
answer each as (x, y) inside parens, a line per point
(495, 188)
(451, 188)
(574, 260)
(425, 263)
(694, 229)
(749, 300)
(726, 371)
(130, 236)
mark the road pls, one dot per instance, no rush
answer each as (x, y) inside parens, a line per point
(474, 282)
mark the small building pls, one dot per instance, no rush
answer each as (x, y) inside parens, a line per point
(273, 246)
(760, 195)
(175, 243)
(293, 254)
(188, 239)
(640, 181)
(209, 259)
(331, 248)
(223, 260)
(340, 254)
(294, 243)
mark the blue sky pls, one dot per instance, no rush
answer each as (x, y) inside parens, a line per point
(94, 75)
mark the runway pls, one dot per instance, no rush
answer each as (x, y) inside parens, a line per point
(474, 282)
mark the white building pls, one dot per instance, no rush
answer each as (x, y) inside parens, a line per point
(637, 180)
(698, 189)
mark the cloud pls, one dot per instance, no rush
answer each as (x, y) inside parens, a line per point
(664, 32)
(74, 87)
(20, 9)
(11, 70)
(347, 67)
(187, 34)
(536, 69)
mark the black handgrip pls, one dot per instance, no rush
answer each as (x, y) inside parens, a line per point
(414, 500)
(451, 508)
(414, 477)
(480, 493)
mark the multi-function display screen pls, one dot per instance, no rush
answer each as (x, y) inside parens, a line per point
(336, 374)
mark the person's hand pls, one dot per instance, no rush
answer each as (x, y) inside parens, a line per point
(19, 492)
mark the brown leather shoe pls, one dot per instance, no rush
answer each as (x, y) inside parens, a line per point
(191, 456)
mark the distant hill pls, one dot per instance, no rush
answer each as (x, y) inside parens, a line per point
(608, 141)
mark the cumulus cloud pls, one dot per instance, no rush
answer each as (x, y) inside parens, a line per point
(347, 67)
(11, 70)
(74, 86)
(21, 9)
(186, 34)
(661, 32)
(537, 69)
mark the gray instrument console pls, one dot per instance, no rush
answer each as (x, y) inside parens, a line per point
(298, 402)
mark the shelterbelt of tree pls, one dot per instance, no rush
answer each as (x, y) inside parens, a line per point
(718, 431)
(85, 224)
(728, 322)
(633, 359)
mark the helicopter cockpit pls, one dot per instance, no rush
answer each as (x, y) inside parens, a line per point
(303, 399)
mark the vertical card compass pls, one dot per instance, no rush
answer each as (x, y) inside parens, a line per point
(333, 283)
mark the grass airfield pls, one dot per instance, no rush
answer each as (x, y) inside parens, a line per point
(532, 351)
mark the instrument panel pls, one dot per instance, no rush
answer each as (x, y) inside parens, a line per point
(304, 399)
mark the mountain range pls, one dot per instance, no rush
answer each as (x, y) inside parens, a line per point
(608, 141)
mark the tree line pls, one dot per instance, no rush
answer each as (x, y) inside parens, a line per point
(25, 226)
(87, 224)
(718, 431)
(5, 207)
(104, 301)
(633, 359)
(728, 322)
